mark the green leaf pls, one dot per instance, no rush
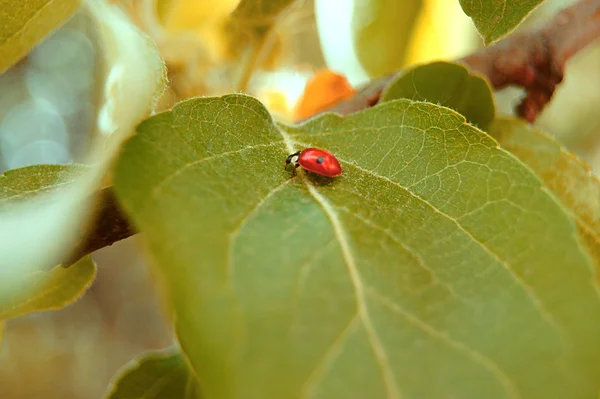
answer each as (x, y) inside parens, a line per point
(495, 19)
(32, 181)
(21, 190)
(569, 178)
(381, 32)
(156, 375)
(39, 204)
(436, 265)
(26, 22)
(47, 290)
(448, 84)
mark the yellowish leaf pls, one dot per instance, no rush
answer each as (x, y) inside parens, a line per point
(441, 31)
(204, 19)
(568, 177)
(25, 23)
(381, 31)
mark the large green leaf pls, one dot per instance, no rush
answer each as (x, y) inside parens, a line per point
(24, 23)
(448, 84)
(157, 375)
(436, 266)
(494, 19)
(569, 178)
(47, 290)
(382, 31)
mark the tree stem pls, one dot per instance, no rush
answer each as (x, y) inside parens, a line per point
(257, 50)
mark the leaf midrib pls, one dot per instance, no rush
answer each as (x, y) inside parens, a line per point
(362, 309)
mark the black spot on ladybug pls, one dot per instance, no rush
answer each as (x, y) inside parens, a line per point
(320, 160)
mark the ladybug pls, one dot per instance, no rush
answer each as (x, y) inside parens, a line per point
(317, 161)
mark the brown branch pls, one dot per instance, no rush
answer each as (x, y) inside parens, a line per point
(108, 225)
(534, 60)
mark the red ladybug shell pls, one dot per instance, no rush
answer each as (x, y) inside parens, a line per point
(320, 162)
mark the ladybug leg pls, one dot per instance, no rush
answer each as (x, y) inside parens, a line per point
(291, 156)
(293, 159)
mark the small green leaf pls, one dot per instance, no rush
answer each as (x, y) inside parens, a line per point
(26, 22)
(156, 375)
(32, 181)
(381, 32)
(448, 84)
(47, 290)
(28, 201)
(39, 204)
(436, 265)
(569, 178)
(495, 19)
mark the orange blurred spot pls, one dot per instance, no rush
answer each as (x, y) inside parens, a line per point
(322, 91)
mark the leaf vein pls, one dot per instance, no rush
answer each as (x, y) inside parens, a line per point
(374, 340)
(330, 354)
(458, 346)
(235, 232)
(26, 24)
(411, 251)
(158, 187)
(535, 300)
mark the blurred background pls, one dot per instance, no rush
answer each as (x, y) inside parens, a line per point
(48, 114)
